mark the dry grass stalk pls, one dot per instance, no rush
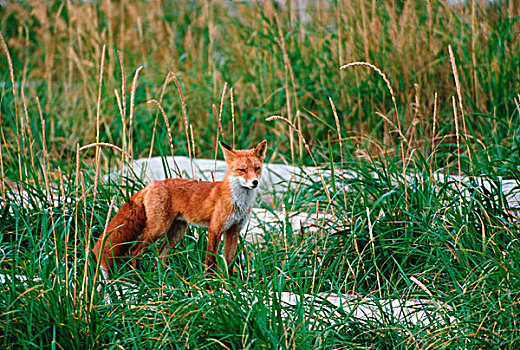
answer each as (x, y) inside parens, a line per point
(434, 119)
(106, 144)
(385, 79)
(98, 105)
(11, 75)
(517, 103)
(132, 99)
(224, 89)
(401, 135)
(474, 33)
(232, 114)
(412, 128)
(2, 171)
(170, 140)
(192, 141)
(46, 169)
(315, 251)
(97, 161)
(26, 114)
(185, 115)
(300, 144)
(211, 36)
(216, 141)
(46, 177)
(340, 140)
(122, 112)
(85, 76)
(55, 239)
(289, 74)
(417, 99)
(338, 128)
(289, 114)
(433, 131)
(66, 231)
(23, 125)
(389, 86)
(281, 43)
(163, 91)
(339, 40)
(76, 220)
(87, 234)
(277, 117)
(421, 285)
(459, 95)
(123, 135)
(455, 116)
(123, 82)
(96, 273)
(76, 180)
(371, 233)
(11, 72)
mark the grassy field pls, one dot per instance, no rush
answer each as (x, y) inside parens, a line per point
(428, 89)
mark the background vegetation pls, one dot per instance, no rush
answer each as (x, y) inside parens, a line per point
(440, 98)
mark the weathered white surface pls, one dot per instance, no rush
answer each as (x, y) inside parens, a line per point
(275, 177)
(278, 221)
(17, 278)
(278, 177)
(324, 308)
(330, 308)
(467, 185)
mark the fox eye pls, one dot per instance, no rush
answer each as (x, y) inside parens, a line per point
(257, 168)
(242, 170)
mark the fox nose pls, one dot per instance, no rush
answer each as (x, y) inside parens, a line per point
(255, 183)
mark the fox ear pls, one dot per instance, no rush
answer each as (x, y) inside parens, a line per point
(259, 150)
(227, 150)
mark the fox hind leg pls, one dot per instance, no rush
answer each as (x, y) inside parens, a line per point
(174, 235)
(144, 242)
(151, 233)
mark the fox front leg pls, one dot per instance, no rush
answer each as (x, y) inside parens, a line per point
(214, 237)
(230, 246)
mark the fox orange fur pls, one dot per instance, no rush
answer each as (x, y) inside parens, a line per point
(165, 208)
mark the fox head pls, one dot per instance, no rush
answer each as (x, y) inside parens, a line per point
(244, 166)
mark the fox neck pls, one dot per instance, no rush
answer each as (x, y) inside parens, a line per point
(241, 197)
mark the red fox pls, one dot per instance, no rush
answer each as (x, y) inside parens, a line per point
(167, 207)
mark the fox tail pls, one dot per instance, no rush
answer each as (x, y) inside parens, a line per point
(122, 231)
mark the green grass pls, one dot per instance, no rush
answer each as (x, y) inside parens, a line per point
(386, 234)
(465, 259)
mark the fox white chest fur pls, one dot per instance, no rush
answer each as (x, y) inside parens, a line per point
(242, 198)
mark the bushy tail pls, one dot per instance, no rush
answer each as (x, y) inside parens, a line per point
(122, 231)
